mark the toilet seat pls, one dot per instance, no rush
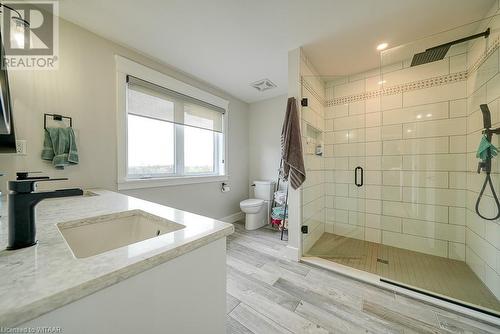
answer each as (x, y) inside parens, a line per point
(251, 202)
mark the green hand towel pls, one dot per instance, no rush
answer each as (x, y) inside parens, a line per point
(482, 150)
(59, 146)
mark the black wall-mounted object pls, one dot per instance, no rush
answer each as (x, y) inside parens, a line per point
(485, 165)
(439, 52)
(304, 229)
(56, 117)
(304, 102)
(7, 140)
(358, 170)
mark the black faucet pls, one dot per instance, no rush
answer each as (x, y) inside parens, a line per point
(22, 200)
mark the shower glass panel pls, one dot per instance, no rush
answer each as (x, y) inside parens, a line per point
(413, 131)
(313, 131)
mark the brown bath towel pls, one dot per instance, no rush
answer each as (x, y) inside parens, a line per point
(291, 147)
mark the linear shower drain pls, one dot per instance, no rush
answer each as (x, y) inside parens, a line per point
(382, 261)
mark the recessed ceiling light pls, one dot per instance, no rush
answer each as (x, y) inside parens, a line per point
(381, 82)
(419, 116)
(263, 85)
(428, 115)
(382, 46)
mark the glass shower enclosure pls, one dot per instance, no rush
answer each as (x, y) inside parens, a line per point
(392, 170)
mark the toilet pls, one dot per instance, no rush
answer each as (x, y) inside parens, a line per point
(258, 210)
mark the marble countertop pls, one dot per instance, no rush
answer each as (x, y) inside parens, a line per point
(38, 279)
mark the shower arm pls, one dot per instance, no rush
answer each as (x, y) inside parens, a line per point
(484, 34)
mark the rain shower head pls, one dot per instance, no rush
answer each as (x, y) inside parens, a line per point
(430, 55)
(439, 52)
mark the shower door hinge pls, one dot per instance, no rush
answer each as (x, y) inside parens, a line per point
(304, 229)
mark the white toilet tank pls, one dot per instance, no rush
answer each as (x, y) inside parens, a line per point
(264, 190)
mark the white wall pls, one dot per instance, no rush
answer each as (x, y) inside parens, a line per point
(84, 88)
(265, 120)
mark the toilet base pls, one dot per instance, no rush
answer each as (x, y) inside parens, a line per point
(254, 221)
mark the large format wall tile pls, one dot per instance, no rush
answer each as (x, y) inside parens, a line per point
(435, 162)
(445, 127)
(434, 230)
(416, 211)
(417, 146)
(416, 243)
(418, 113)
(448, 92)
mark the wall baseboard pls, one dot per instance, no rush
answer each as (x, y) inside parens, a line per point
(234, 217)
(292, 253)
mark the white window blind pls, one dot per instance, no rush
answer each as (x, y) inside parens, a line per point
(163, 104)
(201, 117)
(146, 102)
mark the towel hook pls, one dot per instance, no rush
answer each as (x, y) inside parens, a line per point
(56, 117)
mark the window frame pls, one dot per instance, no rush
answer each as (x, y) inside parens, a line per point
(126, 67)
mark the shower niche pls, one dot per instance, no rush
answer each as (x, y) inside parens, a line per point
(410, 129)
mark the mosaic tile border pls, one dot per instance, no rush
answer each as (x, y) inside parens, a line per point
(410, 86)
(403, 88)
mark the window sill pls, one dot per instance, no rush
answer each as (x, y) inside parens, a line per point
(170, 181)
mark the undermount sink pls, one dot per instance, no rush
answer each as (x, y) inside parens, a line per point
(96, 235)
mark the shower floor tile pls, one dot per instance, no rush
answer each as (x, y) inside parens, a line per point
(433, 273)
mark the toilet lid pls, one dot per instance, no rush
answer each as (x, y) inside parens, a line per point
(252, 202)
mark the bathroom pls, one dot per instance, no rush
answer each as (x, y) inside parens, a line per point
(382, 236)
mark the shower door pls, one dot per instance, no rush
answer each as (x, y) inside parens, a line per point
(352, 198)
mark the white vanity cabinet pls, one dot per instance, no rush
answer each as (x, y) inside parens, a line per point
(181, 296)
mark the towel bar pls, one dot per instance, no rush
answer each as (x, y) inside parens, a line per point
(56, 117)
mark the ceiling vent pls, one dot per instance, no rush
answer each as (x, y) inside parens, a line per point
(263, 85)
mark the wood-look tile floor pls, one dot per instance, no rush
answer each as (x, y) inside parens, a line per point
(433, 273)
(268, 294)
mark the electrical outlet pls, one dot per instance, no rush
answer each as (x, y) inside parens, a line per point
(21, 147)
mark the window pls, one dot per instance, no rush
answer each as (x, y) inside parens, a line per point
(171, 135)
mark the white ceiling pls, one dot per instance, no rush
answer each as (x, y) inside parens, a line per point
(232, 43)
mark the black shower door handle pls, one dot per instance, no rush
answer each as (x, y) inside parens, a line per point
(358, 170)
